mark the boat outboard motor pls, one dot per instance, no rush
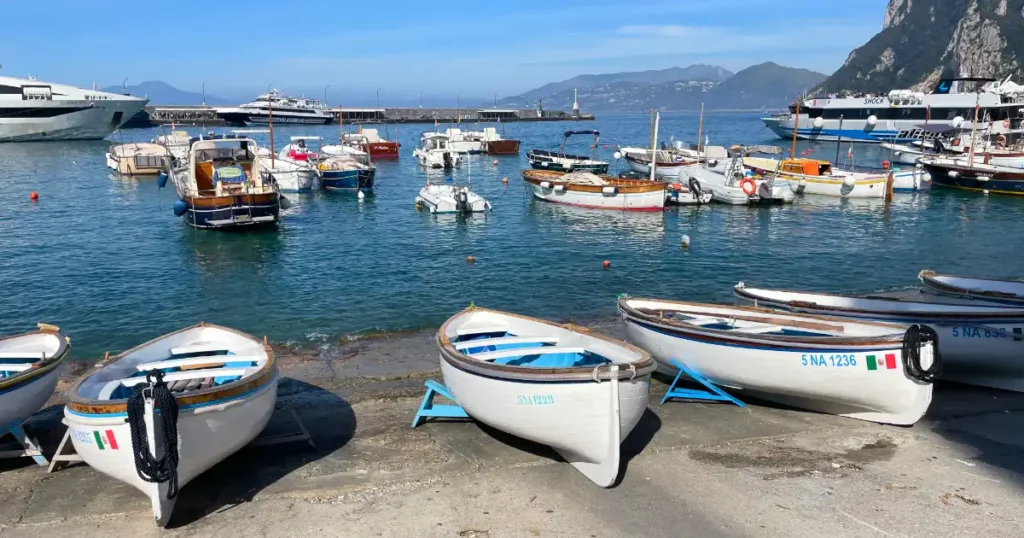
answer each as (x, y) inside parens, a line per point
(462, 201)
(695, 189)
(447, 158)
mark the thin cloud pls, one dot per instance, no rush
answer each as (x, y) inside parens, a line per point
(655, 30)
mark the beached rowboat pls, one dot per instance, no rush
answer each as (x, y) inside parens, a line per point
(579, 392)
(1009, 292)
(864, 370)
(222, 388)
(584, 189)
(28, 372)
(981, 344)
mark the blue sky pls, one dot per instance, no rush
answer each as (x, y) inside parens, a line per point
(481, 48)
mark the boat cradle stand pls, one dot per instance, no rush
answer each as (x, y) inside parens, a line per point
(716, 394)
(428, 409)
(66, 454)
(23, 445)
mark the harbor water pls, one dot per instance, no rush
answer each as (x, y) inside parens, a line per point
(104, 257)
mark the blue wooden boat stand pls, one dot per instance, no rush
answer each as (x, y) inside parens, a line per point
(428, 409)
(716, 394)
(25, 446)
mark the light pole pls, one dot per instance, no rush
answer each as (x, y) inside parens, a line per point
(325, 93)
(124, 85)
(378, 97)
(204, 93)
(495, 99)
(421, 98)
(458, 106)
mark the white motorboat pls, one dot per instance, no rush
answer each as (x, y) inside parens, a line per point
(852, 368)
(560, 161)
(578, 392)
(986, 289)
(980, 344)
(29, 372)
(435, 151)
(177, 142)
(730, 183)
(215, 389)
(284, 109)
(813, 176)
(451, 199)
(32, 110)
(295, 167)
(139, 159)
(584, 189)
(471, 142)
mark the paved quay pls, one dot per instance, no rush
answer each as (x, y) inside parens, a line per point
(691, 469)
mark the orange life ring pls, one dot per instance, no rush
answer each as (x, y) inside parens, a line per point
(748, 186)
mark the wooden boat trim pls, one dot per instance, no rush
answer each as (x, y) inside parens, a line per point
(643, 366)
(624, 186)
(738, 338)
(263, 376)
(43, 367)
(928, 277)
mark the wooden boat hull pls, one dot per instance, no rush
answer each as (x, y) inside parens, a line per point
(348, 180)
(619, 194)
(976, 178)
(382, 150)
(226, 212)
(980, 345)
(502, 147)
(824, 376)
(1009, 292)
(24, 393)
(584, 413)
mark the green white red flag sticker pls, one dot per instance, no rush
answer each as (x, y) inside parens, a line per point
(875, 362)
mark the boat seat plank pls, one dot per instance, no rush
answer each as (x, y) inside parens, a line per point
(506, 340)
(15, 367)
(22, 355)
(192, 384)
(467, 331)
(200, 347)
(492, 355)
(785, 322)
(208, 375)
(177, 386)
(205, 360)
(758, 329)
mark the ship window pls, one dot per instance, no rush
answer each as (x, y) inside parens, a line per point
(10, 89)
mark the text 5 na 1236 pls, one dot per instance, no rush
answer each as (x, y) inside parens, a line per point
(828, 360)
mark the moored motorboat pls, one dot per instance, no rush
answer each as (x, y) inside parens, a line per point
(349, 171)
(496, 144)
(435, 151)
(139, 159)
(28, 372)
(560, 161)
(215, 389)
(962, 173)
(981, 344)
(585, 189)
(813, 176)
(370, 141)
(451, 199)
(578, 392)
(986, 289)
(857, 369)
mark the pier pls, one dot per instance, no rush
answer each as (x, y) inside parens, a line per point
(207, 115)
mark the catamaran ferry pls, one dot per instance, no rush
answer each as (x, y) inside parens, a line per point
(905, 115)
(285, 109)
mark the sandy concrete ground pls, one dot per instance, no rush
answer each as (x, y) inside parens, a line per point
(692, 470)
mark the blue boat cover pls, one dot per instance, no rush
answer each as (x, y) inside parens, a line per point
(229, 174)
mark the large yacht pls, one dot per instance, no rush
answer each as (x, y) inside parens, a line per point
(32, 110)
(285, 110)
(904, 115)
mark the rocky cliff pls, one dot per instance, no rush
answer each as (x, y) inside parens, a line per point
(922, 40)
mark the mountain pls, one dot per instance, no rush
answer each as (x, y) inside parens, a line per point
(923, 40)
(766, 85)
(162, 93)
(697, 72)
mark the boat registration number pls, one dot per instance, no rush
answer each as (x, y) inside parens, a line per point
(828, 360)
(535, 399)
(1017, 333)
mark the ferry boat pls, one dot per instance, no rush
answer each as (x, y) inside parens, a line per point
(905, 115)
(285, 109)
(32, 110)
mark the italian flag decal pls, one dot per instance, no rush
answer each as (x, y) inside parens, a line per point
(878, 363)
(105, 439)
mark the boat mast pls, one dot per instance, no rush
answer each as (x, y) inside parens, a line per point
(270, 121)
(700, 127)
(654, 146)
(974, 131)
(839, 138)
(796, 126)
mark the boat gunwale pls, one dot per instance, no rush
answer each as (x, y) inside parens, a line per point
(40, 368)
(761, 340)
(263, 376)
(644, 365)
(625, 186)
(929, 279)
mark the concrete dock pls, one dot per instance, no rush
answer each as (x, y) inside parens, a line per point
(690, 469)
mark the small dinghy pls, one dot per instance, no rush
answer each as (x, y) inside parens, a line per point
(981, 344)
(214, 387)
(987, 289)
(865, 370)
(580, 393)
(28, 372)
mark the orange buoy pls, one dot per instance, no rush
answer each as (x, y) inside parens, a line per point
(504, 180)
(470, 259)
(606, 264)
(33, 196)
(885, 165)
(748, 186)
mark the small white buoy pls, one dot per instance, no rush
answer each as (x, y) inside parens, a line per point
(361, 195)
(617, 155)
(686, 241)
(984, 191)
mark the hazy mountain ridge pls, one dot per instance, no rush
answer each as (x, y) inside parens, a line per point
(162, 93)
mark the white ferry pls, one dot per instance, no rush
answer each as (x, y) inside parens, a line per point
(297, 110)
(905, 115)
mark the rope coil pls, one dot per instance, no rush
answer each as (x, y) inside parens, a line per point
(149, 468)
(915, 337)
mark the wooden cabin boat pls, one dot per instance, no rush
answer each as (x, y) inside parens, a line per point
(370, 141)
(1009, 292)
(28, 372)
(981, 344)
(812, 176)
(219, 383)
(584, 189)
(496, 144)
(578, 392)
(139, 159)
(560, 161)
(222, 186)
(844, 367)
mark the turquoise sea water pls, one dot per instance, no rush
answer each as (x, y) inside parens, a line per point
(105, 258)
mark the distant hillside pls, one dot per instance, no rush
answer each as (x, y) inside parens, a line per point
(766, 85)
(161, 93)
(697, 72)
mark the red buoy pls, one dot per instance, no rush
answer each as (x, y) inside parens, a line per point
(33, 196)
(504, 180)
(606, 264)
(885, 165)
(470, 259)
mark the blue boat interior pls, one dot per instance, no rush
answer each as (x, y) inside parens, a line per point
(511, 350)
(14, 364)
(198, 370)
(764, 328)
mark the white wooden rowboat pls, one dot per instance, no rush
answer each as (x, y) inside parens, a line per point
(980, 344)
(987, 289)
(856, 369)
(580, 393)
(224, 384)
(28, 372)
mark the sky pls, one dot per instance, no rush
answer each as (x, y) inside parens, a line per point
(407, 47)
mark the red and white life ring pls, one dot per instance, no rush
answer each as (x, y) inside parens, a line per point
(748, 186)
